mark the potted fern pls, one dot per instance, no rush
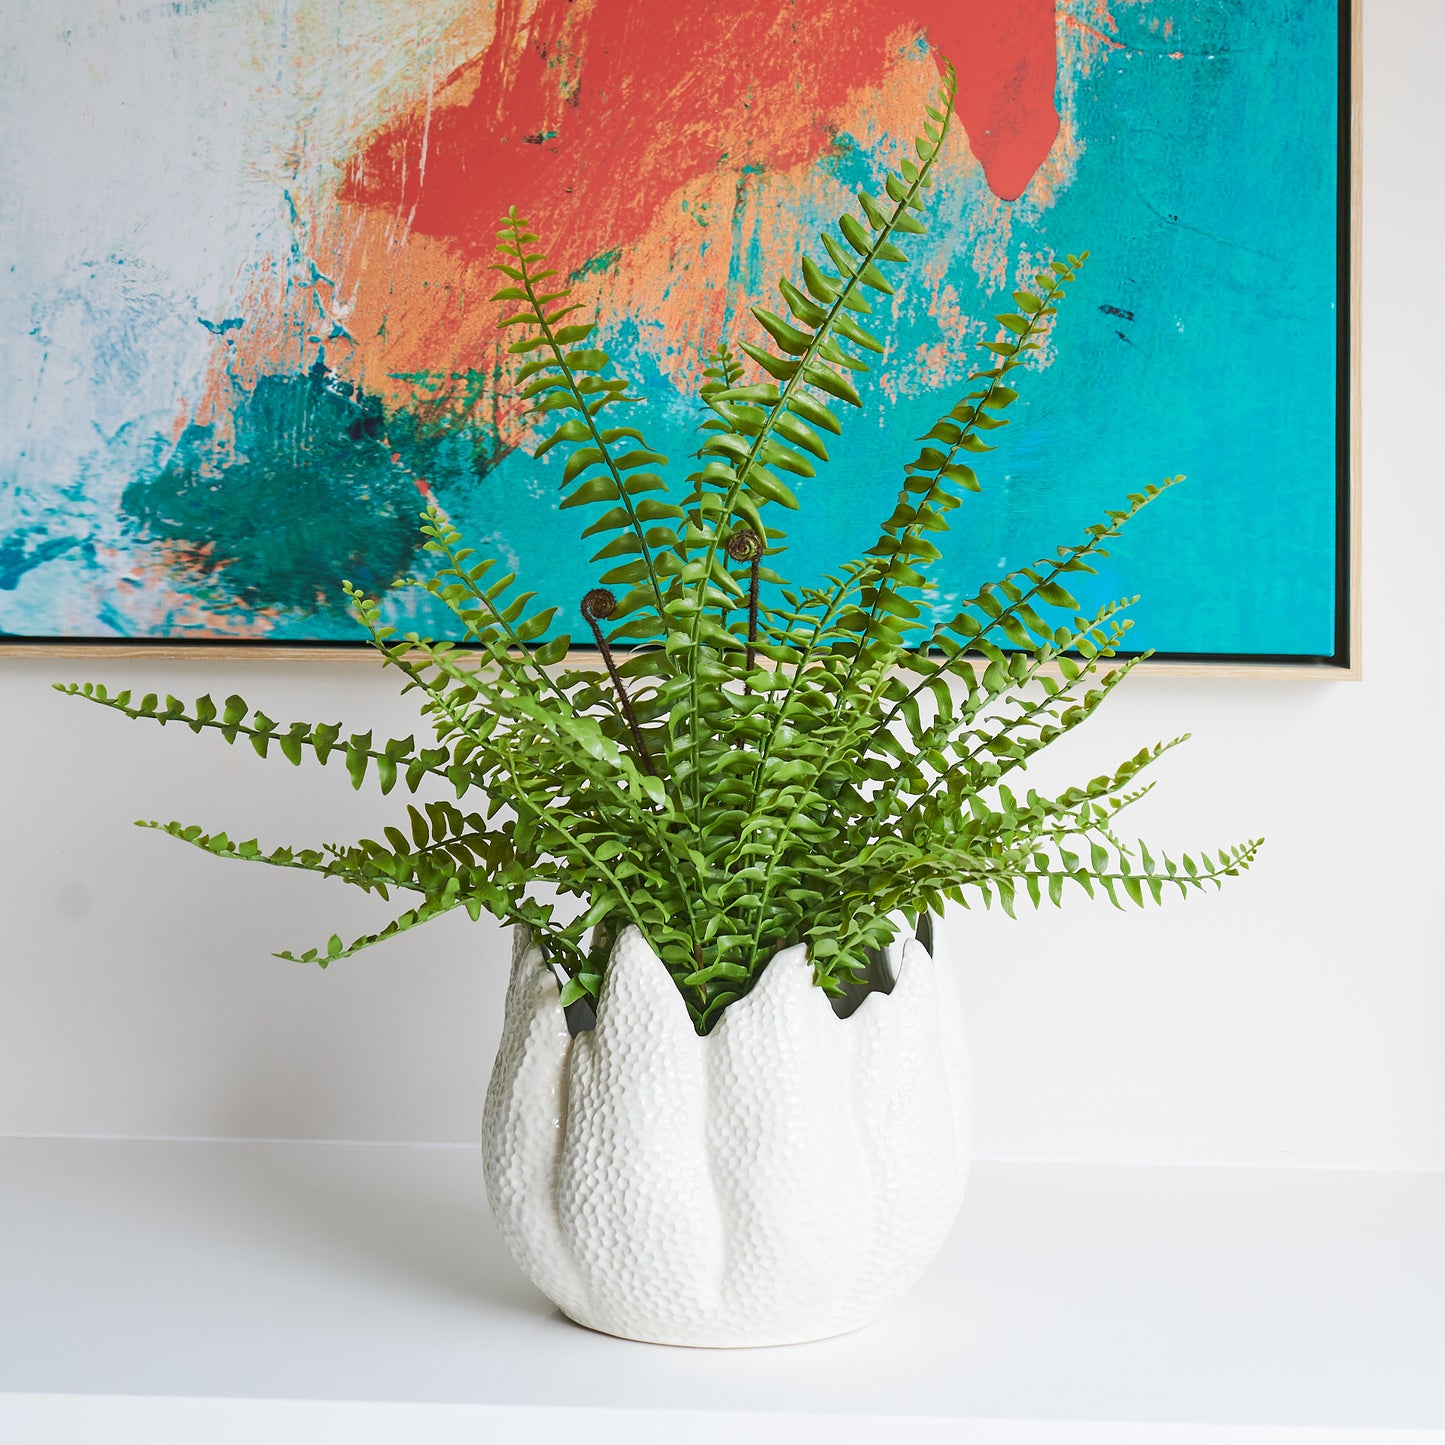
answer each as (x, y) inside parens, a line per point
(731, 1103)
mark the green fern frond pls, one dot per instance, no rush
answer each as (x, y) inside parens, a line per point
(772, 763)
(576, 383)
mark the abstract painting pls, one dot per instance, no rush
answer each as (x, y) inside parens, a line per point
(245, 329)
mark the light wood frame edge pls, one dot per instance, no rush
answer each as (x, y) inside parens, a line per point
(589, 657)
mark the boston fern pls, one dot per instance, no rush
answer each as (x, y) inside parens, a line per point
(752, 766)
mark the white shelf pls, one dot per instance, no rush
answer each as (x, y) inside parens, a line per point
(210, 1292)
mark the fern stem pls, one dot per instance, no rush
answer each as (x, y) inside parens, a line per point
(587, 416)
(1028, 715)
(833, 606)
(746, 546)
(598, 605)
(847, 285)
(549, 818)
(913, 530)
(1056, 570)
(518, 664)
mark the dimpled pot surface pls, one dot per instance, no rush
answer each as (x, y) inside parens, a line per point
(785, 1178)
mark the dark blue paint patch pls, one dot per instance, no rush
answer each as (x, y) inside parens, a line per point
(318, 485)
(18, 558)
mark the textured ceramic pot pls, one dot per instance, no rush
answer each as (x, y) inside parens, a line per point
(785, 1178)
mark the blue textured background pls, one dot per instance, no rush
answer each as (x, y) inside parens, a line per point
(1206, 195)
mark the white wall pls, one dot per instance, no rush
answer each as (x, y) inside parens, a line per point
(1299, 1017)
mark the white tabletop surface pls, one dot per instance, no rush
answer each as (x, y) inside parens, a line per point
(1079, 1302)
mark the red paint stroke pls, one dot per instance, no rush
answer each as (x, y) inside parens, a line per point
(588, 117)
(1093, 31)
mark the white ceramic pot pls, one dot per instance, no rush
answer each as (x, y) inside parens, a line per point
(786, 1178)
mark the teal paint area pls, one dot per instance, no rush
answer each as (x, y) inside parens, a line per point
(309, 491)
(1200, 339)
(1213, 229)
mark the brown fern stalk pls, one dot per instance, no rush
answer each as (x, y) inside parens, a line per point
(746, 546)
(597, 606)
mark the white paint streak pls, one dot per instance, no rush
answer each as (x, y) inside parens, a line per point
(147, 150)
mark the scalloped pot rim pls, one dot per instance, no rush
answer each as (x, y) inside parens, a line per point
(784, 1178)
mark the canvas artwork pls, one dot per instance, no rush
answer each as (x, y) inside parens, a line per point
(245, 330)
